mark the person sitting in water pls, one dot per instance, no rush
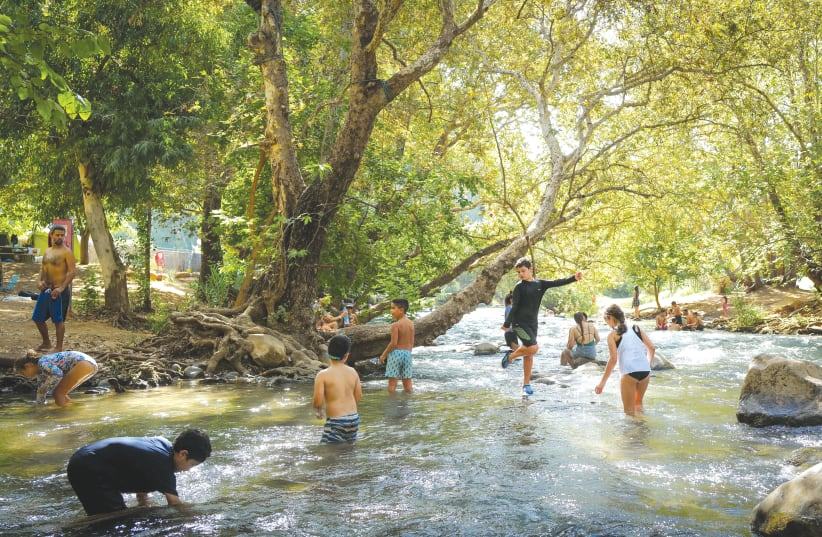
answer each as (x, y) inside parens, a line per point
(676, 314)
(692, 321)
(582, 340)
(60, 372)
(662, 320)
(102, 471)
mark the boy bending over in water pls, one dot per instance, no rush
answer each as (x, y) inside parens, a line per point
(102, 471)
(339, 389)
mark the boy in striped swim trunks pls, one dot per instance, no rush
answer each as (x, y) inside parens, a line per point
(338, 388)
(397, 355)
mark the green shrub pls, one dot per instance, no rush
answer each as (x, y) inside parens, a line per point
(90, 297)
(215, 293)
(747, 315)
(159, 321)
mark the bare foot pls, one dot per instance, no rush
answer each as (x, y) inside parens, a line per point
(43, 347)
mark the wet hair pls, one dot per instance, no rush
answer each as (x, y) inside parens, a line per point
(522, 262)
(196, 442)
(31, 357)
(579, 318)
(339, 346)
(56, 227)
(615, 312)
(401, 303)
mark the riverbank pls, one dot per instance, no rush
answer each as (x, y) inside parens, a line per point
(781, 308)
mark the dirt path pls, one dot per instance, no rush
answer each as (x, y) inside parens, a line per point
(18, 333)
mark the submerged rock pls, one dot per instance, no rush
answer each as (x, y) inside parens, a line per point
(781, 391)
(793, 509)
(485, 348)
(193, 372)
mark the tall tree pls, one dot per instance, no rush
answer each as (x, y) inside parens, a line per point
(291, 280)
(144, 99)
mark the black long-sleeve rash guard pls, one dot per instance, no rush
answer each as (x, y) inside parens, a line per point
(527, 296)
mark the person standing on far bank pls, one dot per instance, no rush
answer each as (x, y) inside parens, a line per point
(56, 273)
(526, 298)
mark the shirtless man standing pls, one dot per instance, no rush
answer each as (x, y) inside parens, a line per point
(58, 270)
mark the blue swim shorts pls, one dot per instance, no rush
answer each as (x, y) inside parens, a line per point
(55, 309)
(398, 365)
(341, 429)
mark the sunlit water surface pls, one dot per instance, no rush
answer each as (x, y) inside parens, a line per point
(465, 455)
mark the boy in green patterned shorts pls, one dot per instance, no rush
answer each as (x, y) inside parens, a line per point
(397, 355)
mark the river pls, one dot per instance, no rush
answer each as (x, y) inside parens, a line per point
(463, 455)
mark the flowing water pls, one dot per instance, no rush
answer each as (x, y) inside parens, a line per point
(464, 455)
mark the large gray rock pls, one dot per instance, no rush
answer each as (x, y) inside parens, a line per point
(793, 509)
(660, 363)
(781, 391)
(266, 350)
(485, 348)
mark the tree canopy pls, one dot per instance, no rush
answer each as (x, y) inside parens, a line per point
(372, 149)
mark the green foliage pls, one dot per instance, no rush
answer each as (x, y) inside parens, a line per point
(216, 288)
(569, 299)
(401, 227)
(159, 320)
(35, 45)
(91, 299)
(746, 315)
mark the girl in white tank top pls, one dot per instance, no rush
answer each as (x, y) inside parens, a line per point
(635, 354)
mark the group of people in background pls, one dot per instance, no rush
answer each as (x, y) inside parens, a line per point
(676, 318)
(346, 317)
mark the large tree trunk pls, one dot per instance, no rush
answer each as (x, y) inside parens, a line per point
(292, 287)
(113, 271)
(211, 249)
(84, 237)
(370, 340)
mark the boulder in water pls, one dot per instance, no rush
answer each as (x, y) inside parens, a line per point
(485, 348)
(781, 391)
(793, 509)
